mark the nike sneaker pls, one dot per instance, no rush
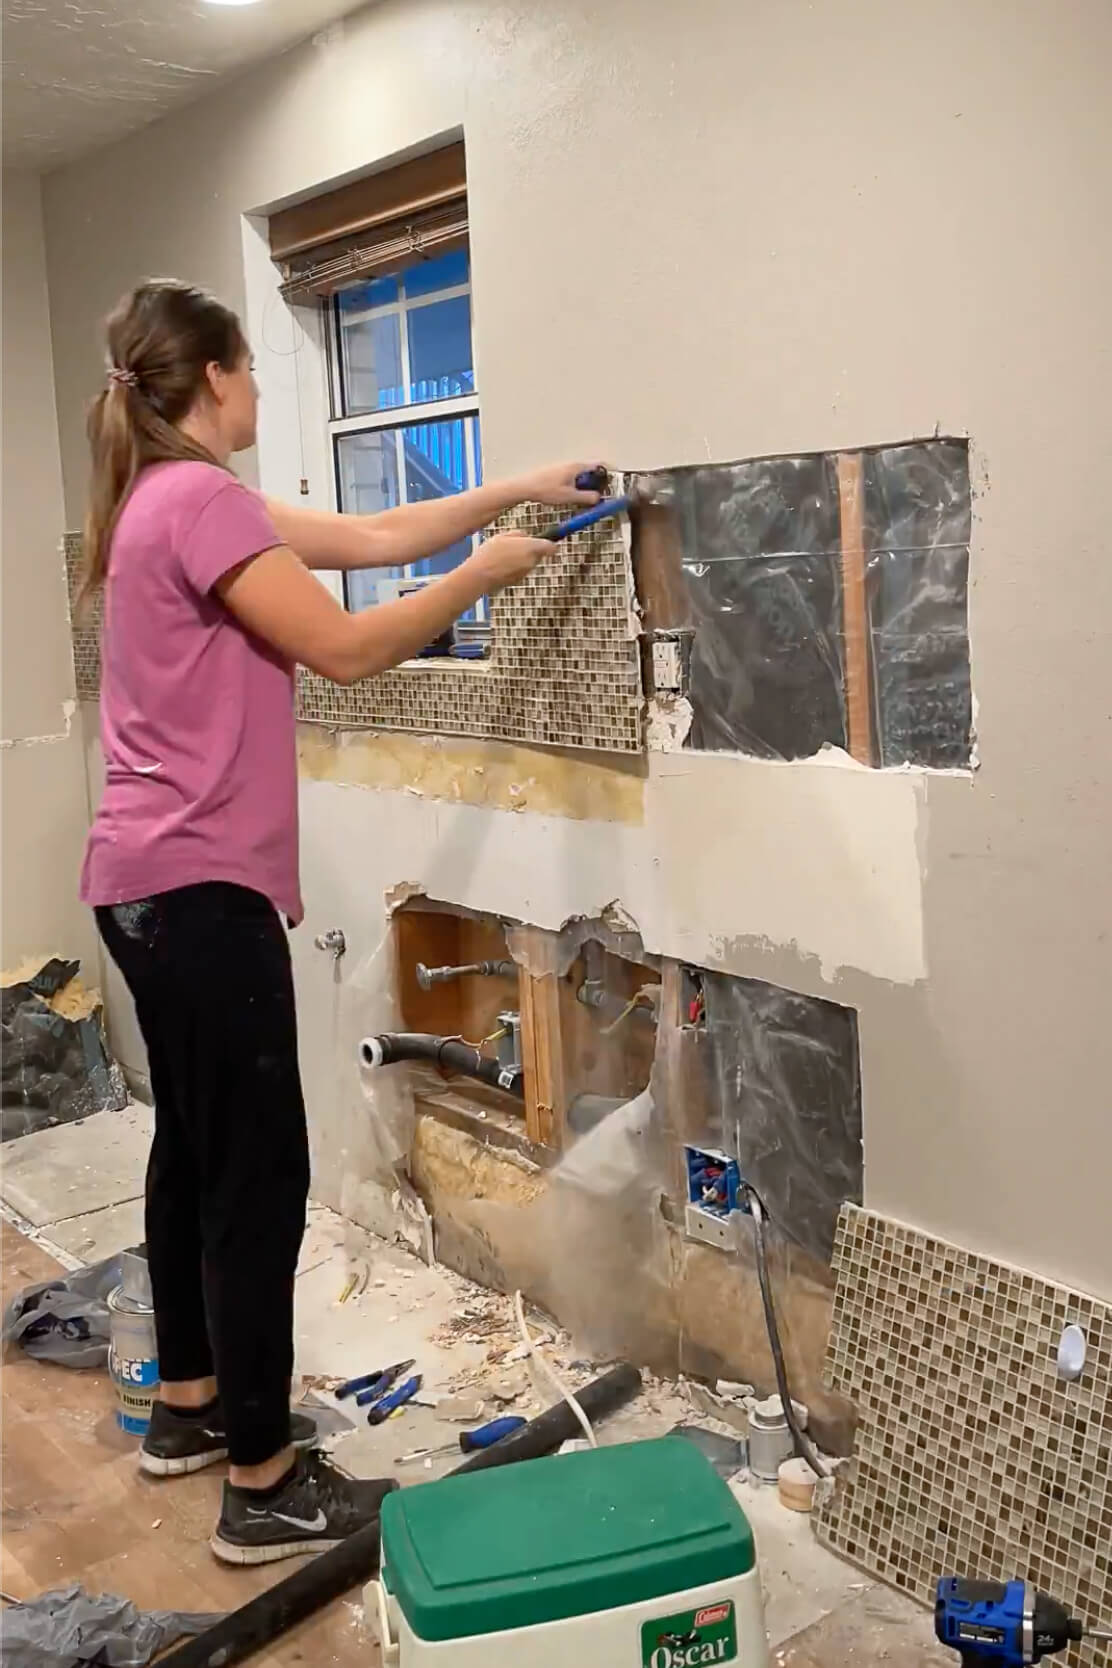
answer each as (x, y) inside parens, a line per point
(312, 1510)
(177, 1444)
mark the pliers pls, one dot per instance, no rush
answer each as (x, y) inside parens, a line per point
(373, 1385)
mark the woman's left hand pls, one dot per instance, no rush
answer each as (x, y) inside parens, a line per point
(555, 485)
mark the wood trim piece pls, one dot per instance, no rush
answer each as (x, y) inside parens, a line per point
(855, 613)
(542, 1056)
(422, 183)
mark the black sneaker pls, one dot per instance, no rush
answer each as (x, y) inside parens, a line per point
(174, 1446)
(314, 1511)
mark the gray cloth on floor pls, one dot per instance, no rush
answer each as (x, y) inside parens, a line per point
(69, 1627)
(65, 1320)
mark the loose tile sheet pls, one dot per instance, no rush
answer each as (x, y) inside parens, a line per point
(974, 1457)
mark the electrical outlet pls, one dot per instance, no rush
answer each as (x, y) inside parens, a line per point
(666, 667)
(670, 661)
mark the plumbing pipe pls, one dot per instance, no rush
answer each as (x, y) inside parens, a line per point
(354, 1561)
(429, 976)
(450, 1053)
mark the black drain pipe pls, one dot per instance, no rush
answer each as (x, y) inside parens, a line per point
(449, 1053)
(355, 1560)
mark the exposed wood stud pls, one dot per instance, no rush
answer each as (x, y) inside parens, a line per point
(855, 613)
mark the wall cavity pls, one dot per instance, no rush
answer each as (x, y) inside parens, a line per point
(821, 601)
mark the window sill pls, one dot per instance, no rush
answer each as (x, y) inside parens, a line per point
(445, 663)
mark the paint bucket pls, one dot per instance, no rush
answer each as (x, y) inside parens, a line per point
(770, 1438)
(132, 1360)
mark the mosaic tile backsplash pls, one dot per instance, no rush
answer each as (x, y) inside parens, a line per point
(565, 667)
(84, 624)
(974, 1457)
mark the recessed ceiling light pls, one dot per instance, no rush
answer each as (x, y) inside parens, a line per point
(232, 2)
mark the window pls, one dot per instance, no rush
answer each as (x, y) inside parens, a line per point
(405, 412)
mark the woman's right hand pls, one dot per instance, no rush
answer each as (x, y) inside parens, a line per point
(509, 557)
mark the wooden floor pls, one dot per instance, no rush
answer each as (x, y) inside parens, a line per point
(76, 1507)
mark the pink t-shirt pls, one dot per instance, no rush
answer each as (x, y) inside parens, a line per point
(196, 714)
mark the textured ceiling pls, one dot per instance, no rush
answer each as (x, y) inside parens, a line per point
(78, 75)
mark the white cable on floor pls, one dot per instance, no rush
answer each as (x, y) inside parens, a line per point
(550, 1372)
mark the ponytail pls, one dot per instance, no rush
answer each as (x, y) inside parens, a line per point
(161, 339)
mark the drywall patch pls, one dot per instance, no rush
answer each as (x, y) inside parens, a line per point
(823, 859)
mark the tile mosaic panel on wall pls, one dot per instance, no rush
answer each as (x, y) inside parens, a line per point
(565, 668)
(973, 1457)
(84, 624)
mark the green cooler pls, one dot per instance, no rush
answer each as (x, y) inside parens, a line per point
(635, 1555)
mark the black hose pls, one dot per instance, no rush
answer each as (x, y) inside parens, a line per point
(255, 1624)
(450, 1053)
(803, 1443)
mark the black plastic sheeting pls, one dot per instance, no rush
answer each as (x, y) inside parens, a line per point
(761, 543)
(788, 1099)
(761, 562)
(54, 1070)
(918, 521)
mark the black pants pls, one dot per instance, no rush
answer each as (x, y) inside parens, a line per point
(228, 1178)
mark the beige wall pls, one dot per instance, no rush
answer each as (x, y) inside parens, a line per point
(44, 809)
(744, 229)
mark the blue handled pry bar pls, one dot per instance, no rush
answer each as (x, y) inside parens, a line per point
(603, 511)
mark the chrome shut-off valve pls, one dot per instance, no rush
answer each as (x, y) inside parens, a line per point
(333, 941)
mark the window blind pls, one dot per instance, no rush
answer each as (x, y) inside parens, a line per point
(372, 226)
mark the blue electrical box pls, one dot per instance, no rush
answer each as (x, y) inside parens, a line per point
(713, 1181)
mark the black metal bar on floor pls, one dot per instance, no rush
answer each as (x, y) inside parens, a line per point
(245, 1631)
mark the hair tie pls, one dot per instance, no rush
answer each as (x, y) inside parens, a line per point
(124, 378)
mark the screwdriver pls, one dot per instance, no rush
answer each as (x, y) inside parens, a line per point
(485, 1436)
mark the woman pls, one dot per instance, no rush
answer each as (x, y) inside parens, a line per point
(192, 859)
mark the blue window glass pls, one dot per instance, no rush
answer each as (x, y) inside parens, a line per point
(443, 272)
(440, 349)
(377, 292)
(435, 466)
(404, 343)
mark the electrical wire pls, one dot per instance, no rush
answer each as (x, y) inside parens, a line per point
(608, 1030)
(550, 1372)
(298, 338)
(803, 1443)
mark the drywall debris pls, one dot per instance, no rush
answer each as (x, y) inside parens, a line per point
(618, 919)
(395, 897)
(668, 723)
(460, 1410)
(540, 951)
